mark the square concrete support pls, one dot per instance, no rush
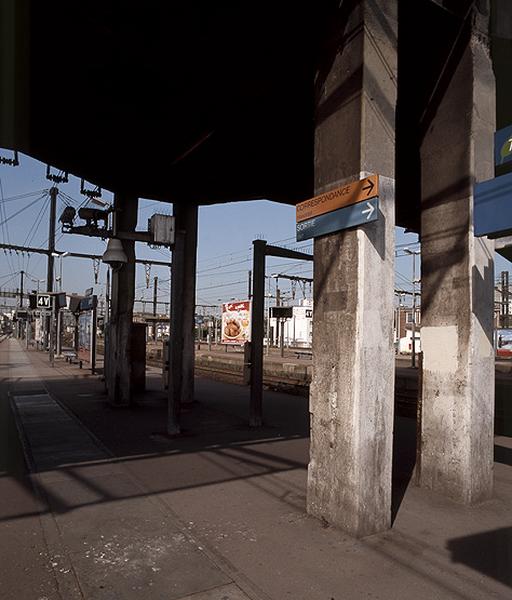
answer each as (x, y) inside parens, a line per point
(118, 352)
(457, 282)
(351, 395)
(183, 303)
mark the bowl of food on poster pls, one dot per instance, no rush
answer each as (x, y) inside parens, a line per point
(236, 322)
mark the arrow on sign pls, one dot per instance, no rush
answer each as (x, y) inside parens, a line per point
(369, 210)
(369, 187)
(337, 220)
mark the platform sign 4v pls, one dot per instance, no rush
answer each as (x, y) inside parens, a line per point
(44, 301)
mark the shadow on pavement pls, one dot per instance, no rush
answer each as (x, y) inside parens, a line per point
(216, 447)
(503, 455)
(489, 553)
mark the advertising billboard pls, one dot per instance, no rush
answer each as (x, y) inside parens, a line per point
(87, 330)
(236, 322)
(85, 326)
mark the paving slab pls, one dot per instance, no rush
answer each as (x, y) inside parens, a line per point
(112, 539)
(226, 592)
(235, 498)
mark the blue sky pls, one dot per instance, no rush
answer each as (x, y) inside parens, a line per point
(225, 239)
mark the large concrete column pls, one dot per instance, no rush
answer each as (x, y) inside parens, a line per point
(185, 258)
(457, 282)
(351, 395)
(118, 353)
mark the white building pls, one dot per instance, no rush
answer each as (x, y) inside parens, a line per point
(405, 346)
(298, 331)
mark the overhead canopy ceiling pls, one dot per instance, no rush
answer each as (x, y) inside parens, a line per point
(181, 101)
(191, 101)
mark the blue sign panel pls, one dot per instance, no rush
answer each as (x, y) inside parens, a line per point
(343, 218)
(88, 303)
(493, 207)
(503, 146)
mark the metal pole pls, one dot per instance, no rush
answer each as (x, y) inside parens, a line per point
(258, 300)
(176, 336)
(22, 274)
(76, 333)
(155, 295)
(281, 338)
(107, 295)
(51, 238)
(49, 274)
(155, 298)
(52, 332)
(506, 299)
(20, 304)
(249, 288)
(267, 316)
(93, 333)
(413, 309)
(59, 332)
(397, 322)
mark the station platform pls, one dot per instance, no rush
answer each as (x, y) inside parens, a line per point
(99, 504)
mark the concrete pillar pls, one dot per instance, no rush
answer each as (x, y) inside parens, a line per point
(119, 351)
(457, 282)
(351, 395)
(257, 328)
(175, 387)
(185, 257)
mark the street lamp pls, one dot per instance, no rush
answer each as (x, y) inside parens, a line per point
(413, 253)
(38, 281)
(60, 255)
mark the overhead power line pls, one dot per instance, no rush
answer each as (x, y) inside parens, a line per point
(10, 217)
(23, 196)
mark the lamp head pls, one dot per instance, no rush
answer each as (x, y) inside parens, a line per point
(114, 255)
(92, 215)
(68, 216)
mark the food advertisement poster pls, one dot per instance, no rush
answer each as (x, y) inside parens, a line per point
(236, 322)
(85, 335)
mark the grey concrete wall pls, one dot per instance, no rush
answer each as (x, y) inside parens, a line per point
(186, 221)
(119, 376)
(457, 284)
(351, 395)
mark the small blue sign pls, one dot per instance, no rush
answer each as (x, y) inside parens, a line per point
(503, 146)
(88, 303)
(343, 218)
(493, 207)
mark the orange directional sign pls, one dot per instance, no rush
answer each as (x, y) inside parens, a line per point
(358, 191)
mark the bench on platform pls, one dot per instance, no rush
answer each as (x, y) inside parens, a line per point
(71, 357)
(303, 353)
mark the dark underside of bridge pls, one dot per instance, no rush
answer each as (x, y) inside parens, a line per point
(207, 102)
